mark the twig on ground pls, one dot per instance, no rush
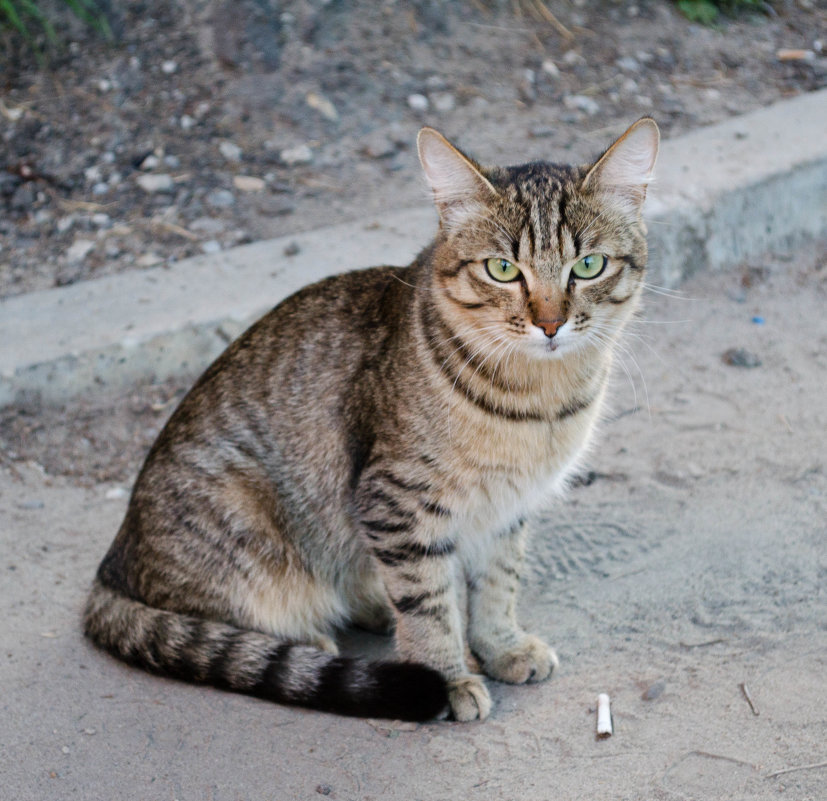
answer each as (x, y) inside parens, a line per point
(781, 772)
(745, 691)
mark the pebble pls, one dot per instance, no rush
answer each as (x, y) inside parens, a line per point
(740, 357)
(220, 199)
(211, 246)
(378, 145)
(207, 225)
(24, 197)
(582, 103)
(169, 67)
(186, 122)
(293, 156)
(628, 64)
(550, 68)
(31, 505)
(443, 102)
(320, 103)
(248, 183)
(113, 494)
(173, 162)
(101, 220)
(654, 691)
(79, 249)
(150, 162)
(160, 182)
(418, 102)
(100, 189)
(149, 260)
(65, 223)
(292, 249)
(230, 151)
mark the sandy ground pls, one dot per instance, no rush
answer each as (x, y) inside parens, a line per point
(694, 561)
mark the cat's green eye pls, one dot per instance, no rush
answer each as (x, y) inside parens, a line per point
(502, 270)
(590, 266)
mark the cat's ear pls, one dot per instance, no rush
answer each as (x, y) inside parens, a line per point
(625, 169)
(458, 185)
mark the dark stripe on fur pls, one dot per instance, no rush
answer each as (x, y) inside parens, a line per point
(436, 509)
(575, 407)
(221, 655)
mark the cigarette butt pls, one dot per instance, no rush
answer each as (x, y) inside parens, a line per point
(604, 716)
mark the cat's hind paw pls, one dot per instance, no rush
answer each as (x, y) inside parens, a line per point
(532, 660)
(469, 698)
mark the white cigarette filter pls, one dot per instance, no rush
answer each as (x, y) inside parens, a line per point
(604, 716)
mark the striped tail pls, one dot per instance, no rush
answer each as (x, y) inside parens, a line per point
(221, 655)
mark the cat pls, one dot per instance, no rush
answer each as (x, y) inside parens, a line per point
(368, 453)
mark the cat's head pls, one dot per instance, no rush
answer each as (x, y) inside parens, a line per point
(548, 257)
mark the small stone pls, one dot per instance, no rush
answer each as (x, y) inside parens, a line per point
(116, 493)
(101, 220)
(92, 174)
(66, 749)
(160, 182)
(24, 197)
(628, 64)
(104, 85)
(90, 732)
(740, 357)
(149, 260)
(31, 505)
(173, 162)
(320, 103)
(211, 246)
(443, 102)
(186, 122)
(230, 151)
(550, 68)
(378, 145)
(65, 223)
(150, 162)
(169, 67)
(100, 189)
(654, 691)
(292, 249)
(79, 250)
(220, 199)
(294, 156)
(248, 183)
(207, 225)
(418, 102)
(582, 103)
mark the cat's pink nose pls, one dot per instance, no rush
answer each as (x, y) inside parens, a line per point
(550, 327)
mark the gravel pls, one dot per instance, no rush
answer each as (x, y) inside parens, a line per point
(273, 120)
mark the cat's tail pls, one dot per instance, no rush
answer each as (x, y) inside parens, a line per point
(249, 662)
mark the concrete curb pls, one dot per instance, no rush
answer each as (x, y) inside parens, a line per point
(723, 193)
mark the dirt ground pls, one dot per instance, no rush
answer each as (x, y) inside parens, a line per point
(686, 576)
(216, 122)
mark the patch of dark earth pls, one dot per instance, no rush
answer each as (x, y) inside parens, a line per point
(211, 123)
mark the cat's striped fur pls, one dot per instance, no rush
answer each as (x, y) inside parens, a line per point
(368, 453)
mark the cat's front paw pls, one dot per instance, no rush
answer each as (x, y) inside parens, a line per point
(469, 698)
(531, 660)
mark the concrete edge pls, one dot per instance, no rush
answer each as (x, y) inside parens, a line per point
(724, 193)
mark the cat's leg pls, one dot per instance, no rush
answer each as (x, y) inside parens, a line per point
(506, 651)
(423, 591)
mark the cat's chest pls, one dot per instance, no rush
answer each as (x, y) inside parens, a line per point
(519, 472)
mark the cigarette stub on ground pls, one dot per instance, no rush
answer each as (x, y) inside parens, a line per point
(604, 716)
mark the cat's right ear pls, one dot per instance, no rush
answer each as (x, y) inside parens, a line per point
(458, 185)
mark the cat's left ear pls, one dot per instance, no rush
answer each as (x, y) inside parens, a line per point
(460, 189)
(625, 169)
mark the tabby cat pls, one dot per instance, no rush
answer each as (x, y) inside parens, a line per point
(369, 451)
